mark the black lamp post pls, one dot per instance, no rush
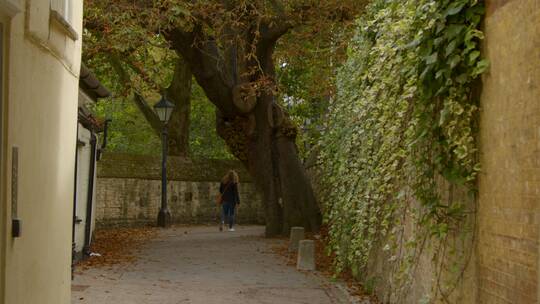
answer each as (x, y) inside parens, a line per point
(164, 109)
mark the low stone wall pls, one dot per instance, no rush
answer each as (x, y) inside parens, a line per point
(129, 191)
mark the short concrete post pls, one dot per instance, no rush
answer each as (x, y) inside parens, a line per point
(306, 255)
(297, 234)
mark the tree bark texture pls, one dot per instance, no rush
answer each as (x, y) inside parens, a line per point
(179, 93)
(264, 138)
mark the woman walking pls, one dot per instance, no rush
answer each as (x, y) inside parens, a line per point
(229, 199)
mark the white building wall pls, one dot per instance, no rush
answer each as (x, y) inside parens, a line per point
(84, 154)
(83, 169)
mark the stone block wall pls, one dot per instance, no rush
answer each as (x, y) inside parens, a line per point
(129, 191)
(509, 185)
(421, 286)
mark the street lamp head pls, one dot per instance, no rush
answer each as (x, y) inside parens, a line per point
(164, 109)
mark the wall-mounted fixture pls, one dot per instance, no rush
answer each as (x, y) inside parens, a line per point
(16, 223)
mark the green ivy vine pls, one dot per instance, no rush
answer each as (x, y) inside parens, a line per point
(405, 116)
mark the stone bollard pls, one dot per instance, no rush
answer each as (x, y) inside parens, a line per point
(306, 255)
(297, 234)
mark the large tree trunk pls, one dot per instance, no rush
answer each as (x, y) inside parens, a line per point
(261, 136)
(273, 161)
(179, 93)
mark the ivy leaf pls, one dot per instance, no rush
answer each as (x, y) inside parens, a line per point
(426, 72)
(442, 89)
(413, 44)
(472, 34)
(463, 78)
(444, 116)
(475, 13)
(454, 175)
(481, 67)
(473, 56)
(454, 61)
(431, 59)
(451, 47)
(437, 41)
(426, 49)
(440, 27)
(454, 8)
(454, 30)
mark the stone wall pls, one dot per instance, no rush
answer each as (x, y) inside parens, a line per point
(509, 200)
(129, 191)
(421, 286)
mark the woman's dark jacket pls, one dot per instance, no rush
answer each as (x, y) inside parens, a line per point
(229, 193)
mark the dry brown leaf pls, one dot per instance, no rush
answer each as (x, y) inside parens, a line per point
(117, 246)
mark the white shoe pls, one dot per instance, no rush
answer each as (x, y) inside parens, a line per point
(231, 229)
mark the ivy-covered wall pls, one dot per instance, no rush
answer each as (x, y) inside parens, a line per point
(436, 266)
(429, 166)
(398, 155)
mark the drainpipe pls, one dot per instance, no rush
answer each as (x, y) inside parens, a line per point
(105, 132)
(104, 143)
(73, 253)
(90, 197)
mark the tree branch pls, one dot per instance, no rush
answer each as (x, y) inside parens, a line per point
(271, 30)
(141, 104)
(211, 72)
(148, 113)
(277, 26)
(179, 93)
(122, 73)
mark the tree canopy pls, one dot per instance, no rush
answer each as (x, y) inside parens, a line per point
(265, 65)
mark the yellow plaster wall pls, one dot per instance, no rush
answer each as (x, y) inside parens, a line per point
(509, 200)
(41, 119)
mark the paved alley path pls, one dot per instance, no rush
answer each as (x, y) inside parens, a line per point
(199, 265)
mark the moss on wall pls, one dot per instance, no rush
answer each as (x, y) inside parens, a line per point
(119, 165)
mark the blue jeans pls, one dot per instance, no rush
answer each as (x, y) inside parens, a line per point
(227, 213)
